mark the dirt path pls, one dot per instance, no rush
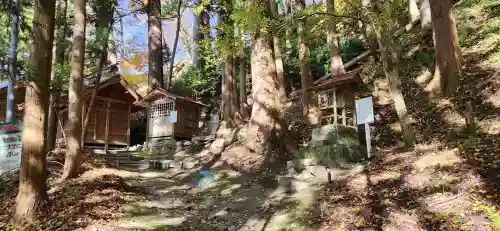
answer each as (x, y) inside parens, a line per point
(176, 200)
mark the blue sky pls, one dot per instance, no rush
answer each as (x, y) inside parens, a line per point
(136, 32)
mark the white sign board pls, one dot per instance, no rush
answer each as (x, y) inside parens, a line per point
(173, 117)
(364, 111)
(10, 146)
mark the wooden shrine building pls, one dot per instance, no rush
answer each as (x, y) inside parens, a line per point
(168, 116)
(336, 97)
(109, 123)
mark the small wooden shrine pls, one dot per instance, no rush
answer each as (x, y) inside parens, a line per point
(109, 123)
(336, 97)
(171, 115)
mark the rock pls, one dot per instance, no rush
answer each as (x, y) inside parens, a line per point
(315, 173)
(217, 146)
(186, 143)
(285, 182)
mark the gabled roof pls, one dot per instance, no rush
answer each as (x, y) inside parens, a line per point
(330, 80)
(159, 92)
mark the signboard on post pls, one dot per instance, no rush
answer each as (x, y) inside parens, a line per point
(364, 115)
(10, 146)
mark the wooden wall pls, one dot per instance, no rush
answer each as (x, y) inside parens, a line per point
(109, 122)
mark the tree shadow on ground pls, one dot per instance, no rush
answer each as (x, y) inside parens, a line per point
(396, 193)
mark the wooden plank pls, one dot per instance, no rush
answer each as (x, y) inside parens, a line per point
(335, 105)
(128, 118)
(344, 116)
(106, 133)
(111, 100)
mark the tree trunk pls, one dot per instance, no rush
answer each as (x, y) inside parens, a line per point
(11, 102)
(264, 120)
(74, 145)
(103, 29)
(243, 88)
(174, 49)
(371, 38)
(229, 95)
(413, 10)
(59, 59)
(311, 111)
(337, 67)
(390, 59)
(278, 57)
(425, 13)
(155, 65)
(448, 54)
(32, 177)
(288, 31)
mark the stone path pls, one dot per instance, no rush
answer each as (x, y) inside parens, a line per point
(174, 200)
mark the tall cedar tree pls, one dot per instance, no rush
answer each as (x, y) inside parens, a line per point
(448, 55)
(200, 32)
(74, 144)
(32, 178)
(231, 110)
(58, 60)
(310, 108)
(278, 56)
(155, 65)
(389, 58)
(266, 126)
(14, 39)
(105, 10)
(174, 48)
(333, 41)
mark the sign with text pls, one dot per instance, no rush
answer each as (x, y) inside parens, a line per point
(10, 146)
(364, 111)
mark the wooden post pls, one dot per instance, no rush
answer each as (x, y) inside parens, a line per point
(335, 105)
(344, 116)
(95, 121)
(354, 118)
(106, 133)
(469, 118)
(128, 129)
(147, 121)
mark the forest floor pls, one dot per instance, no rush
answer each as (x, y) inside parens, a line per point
(449, 181)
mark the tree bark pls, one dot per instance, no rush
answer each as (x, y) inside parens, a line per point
(425, 13)
(311, 111)
(174, 49)
(243, 88)
(390, 59)
(229, 95)
(103, 28)
(448, 54)
(371, 38)
(74, 144)
(14, 39)
(264, 120)
(413, 10)
(155, 65)
(32, 177)
(59, 59)
(278, 57)
(337, 66)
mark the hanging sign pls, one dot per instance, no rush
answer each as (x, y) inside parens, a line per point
(10, 146)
